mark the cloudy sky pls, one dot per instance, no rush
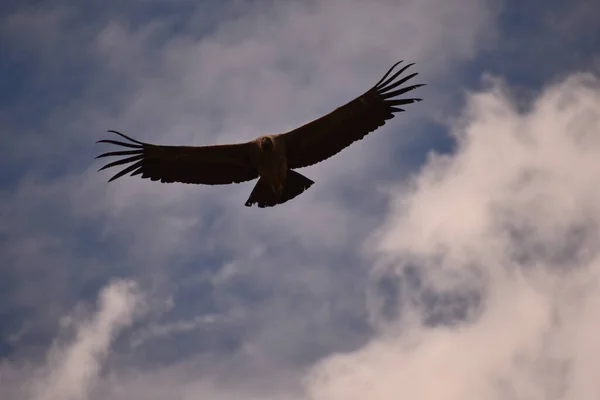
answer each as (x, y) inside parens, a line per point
(452, 254)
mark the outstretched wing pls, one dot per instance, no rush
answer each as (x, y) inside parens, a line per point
(207, 165)
(328, 135)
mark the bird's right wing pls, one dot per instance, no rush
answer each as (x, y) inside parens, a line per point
(207, 165)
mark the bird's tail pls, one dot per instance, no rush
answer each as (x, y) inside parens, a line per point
(263, 195)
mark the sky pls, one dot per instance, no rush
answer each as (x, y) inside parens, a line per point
(452, 254)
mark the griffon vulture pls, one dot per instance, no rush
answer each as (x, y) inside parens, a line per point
(271, 158)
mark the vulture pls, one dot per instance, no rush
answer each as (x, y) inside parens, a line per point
(270, 158)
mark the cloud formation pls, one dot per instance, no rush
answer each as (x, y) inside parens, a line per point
(514, 214)
(72, 366)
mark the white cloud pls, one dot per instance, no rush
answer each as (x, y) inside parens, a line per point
(515, 214)
(72, 369)
(158, 330)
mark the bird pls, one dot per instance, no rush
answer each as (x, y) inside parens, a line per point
(271, 158)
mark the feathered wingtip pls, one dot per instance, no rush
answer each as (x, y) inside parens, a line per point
(137, 155)
(385, 85)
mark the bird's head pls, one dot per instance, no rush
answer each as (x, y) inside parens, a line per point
(266, 144)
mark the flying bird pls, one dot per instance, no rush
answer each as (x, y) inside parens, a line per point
(271, 158)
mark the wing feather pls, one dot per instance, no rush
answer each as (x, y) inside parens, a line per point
(328, 135)
(207, 165)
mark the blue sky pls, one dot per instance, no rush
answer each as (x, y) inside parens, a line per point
(459, 241)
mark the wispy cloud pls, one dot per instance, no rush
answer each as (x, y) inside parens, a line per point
(73, 367)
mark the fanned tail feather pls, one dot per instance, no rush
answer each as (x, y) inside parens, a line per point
(263, 196)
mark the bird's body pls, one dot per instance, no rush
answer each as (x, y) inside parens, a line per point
(271, 162)
(271, 158)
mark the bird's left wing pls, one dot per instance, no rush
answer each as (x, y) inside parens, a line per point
(328, 135)
(207, 165)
